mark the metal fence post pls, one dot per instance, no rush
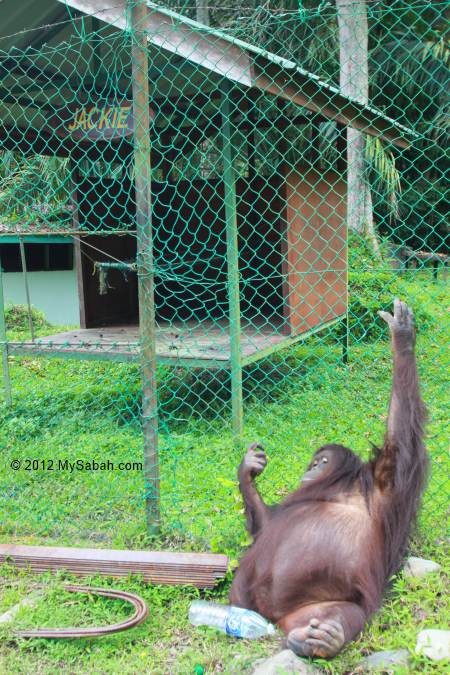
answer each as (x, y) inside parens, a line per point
(142, 182)
(345, 339)
(4, 345)
(27, 286)
(232, 269)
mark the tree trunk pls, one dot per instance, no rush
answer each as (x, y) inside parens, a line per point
(202, 11)
(354, 82)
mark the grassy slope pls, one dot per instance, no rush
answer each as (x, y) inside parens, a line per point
(72, 416)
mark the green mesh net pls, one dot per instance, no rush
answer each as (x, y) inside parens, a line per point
(198, 224)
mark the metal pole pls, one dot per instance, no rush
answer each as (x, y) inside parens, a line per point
(232, 270)
(4, 345)
(344, 325)
(142, 183)
(435, 264)
(27, 288)
(96, 48)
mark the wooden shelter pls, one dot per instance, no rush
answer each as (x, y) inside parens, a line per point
(199, 219)
(290, 222)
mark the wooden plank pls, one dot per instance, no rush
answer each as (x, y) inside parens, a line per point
(82, 354)
(206, 341)
(255, 346)
(160, 567)
(317, 249)
(125, 555)
(204, 345)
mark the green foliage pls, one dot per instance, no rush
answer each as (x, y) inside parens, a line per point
(296, 399)
(373, 285)
(91, 409)
(371, 292)
(33, 187)
(54, 386)
(16, 317)
(167, 643)
(69, 409)
(361, 255)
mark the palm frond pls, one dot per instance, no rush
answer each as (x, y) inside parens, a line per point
(382, 166)
(28, 183)
(439, 50)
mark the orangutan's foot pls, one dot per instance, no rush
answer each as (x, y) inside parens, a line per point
(322, 639)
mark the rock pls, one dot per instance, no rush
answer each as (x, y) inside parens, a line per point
(29, 601)
(383, 660)
(419, 567)
(434, 643)
(284, 663)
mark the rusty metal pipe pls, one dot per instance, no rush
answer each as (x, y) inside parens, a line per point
(138, 617)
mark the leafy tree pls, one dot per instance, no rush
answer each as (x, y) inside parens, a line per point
(33, 187)
(407, 66)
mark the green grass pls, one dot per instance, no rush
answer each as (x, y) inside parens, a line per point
(166, 643)
(75, 410)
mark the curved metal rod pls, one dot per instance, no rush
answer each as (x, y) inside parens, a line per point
(138, 617)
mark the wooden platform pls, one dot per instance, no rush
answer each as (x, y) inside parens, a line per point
(204, 342)
(198, 344)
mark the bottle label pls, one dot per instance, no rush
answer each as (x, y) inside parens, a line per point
(233, 624)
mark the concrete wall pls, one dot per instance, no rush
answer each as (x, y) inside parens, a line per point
(54, 293)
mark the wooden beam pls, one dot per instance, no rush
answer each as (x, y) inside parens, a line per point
(314, 96)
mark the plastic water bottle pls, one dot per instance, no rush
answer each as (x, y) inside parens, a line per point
(235, 621)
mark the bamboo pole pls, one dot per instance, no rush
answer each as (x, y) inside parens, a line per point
(232, 269)
(142, 178)
(4, 345)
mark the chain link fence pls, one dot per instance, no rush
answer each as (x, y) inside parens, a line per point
(198, 224)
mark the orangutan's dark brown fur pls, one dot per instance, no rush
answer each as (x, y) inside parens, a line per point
(321, 559)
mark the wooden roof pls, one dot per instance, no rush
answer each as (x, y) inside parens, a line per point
(188, 60)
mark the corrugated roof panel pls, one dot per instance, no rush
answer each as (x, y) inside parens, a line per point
(199, 55)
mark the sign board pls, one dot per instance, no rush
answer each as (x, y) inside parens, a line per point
(101, 121)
